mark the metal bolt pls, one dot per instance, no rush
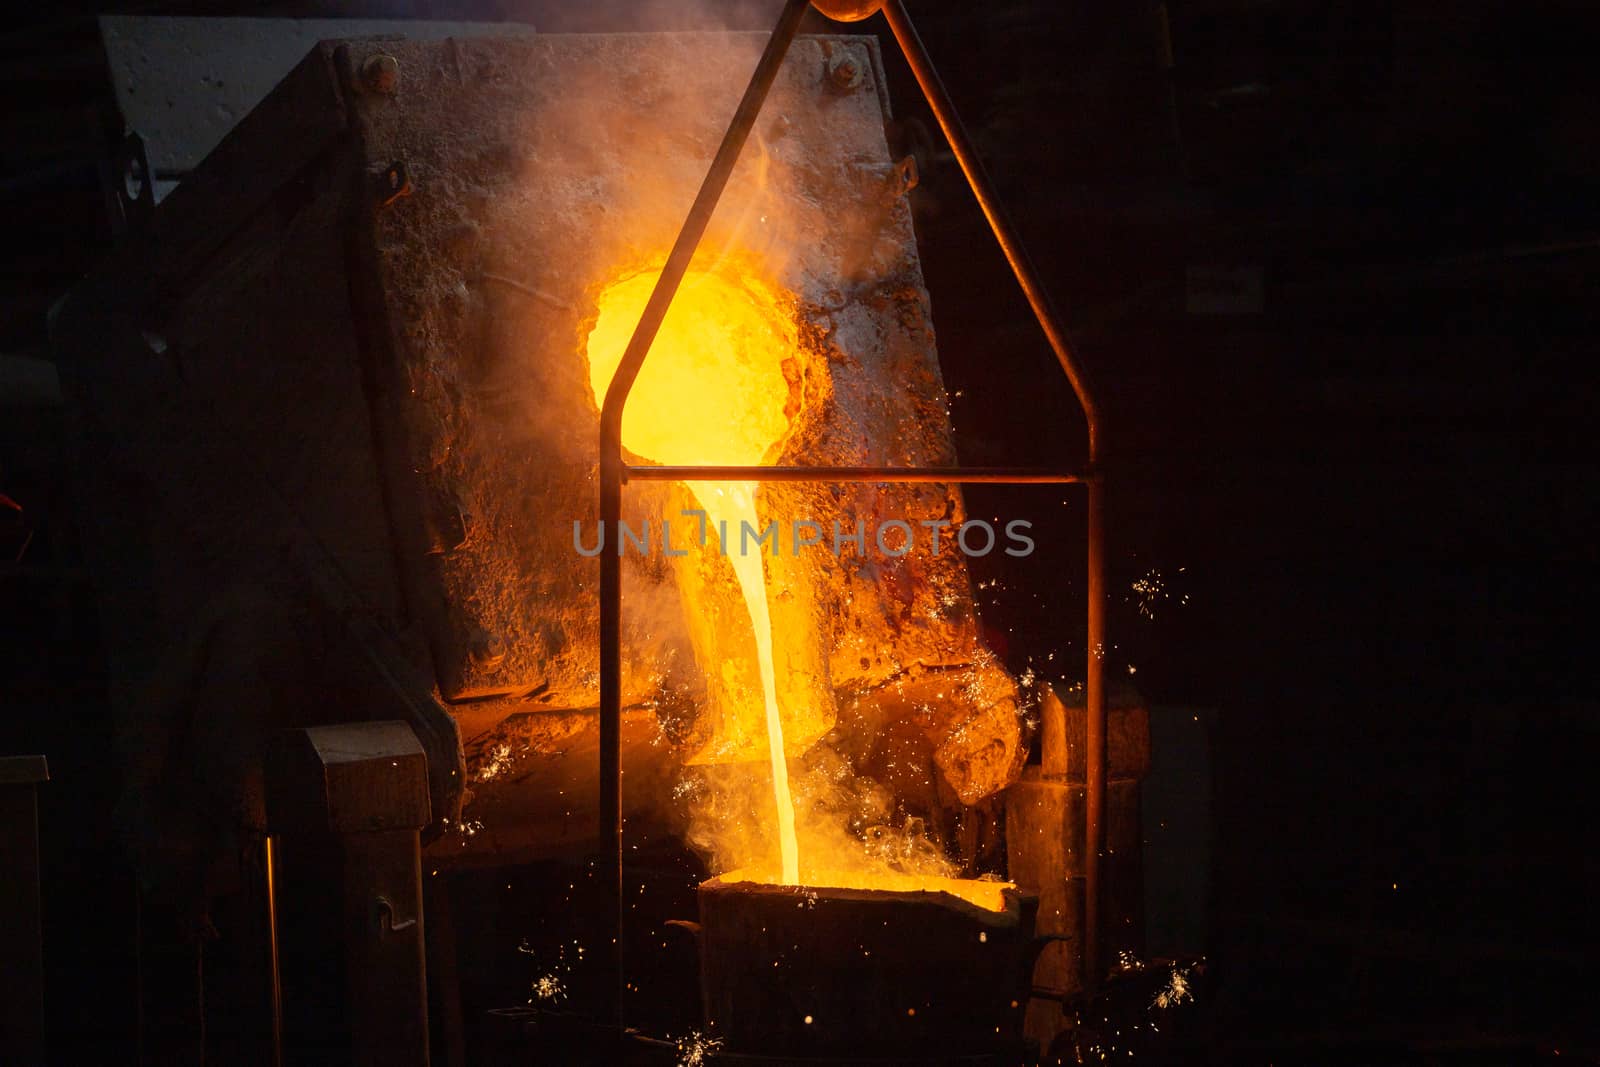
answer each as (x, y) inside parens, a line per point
(380, 73)
(903, 176)
(394, 184)
(843, 73)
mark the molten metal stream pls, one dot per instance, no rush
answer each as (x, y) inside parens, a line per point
(712, 392)
(718, 389)
(730, 505)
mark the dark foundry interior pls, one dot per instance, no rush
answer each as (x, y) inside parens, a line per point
(810, 532)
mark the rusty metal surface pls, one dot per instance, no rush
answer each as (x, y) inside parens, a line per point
(342, 368)
(529, 193)
(525, 158)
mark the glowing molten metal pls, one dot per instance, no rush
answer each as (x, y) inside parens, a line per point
(712, 392)
(721, 387)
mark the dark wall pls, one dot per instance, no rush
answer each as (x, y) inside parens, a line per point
(1379, 487)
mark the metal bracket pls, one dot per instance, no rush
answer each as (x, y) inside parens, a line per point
(384, 911)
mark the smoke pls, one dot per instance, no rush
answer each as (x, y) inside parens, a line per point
(847, 824)
(602, 163)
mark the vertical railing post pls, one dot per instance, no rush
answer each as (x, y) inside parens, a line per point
(1094, 699)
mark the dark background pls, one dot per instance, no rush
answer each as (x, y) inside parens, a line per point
(1369, 499)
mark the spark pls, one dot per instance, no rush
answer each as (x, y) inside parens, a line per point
(1152, 590)
(696, 1049)
(549, 989)
(499, 763)
(1176, 990)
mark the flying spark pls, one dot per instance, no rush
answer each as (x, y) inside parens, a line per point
(696, 1049)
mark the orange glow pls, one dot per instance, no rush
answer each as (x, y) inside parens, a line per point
(988, 895)
(715, 391)
(712, 391)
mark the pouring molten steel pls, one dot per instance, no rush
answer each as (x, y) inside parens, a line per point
(720, 387)
(714, 392)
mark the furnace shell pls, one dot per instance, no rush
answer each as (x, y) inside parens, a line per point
(361, 325)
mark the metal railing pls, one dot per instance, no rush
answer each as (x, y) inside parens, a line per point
(615, 472)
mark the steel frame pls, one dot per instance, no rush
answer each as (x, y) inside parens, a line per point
(615, 472)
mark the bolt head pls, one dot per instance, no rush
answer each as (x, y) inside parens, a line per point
(843, 73)
(381, 74)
